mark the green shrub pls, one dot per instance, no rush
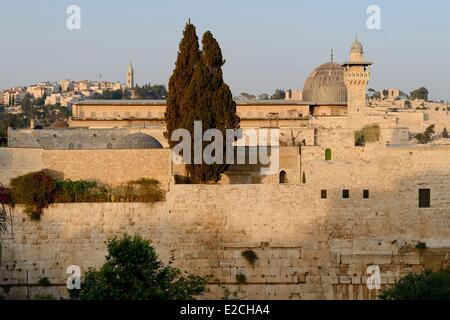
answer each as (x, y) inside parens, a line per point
(36, 191)
(250, 255)
(44, 296)
(144, 190)
(427, 136)
(241, 278)
(427, 285)
(370, 133)
(44, 281)
(69, 191)
(133, 271)
(421, 245)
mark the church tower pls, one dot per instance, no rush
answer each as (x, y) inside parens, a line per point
(130, 76)
(356, 78)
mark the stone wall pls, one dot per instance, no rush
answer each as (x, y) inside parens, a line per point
(307, 247)
(110, 167)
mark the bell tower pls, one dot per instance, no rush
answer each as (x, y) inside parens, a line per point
(356, 78)
(130, 76)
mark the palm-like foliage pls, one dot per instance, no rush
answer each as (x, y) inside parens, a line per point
(5, 216)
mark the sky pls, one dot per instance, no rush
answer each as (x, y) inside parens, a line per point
(266, 44)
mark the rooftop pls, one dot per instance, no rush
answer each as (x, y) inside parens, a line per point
(98, 102)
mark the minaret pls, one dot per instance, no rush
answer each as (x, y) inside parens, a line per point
(356, 78)
(130, 76)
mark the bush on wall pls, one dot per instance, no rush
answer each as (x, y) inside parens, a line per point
(79, 191)
(35, 190)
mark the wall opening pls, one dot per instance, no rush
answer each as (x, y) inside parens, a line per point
(365, 194)
(346, 194)
(323, 194)
(283, 178)
(328, 155)
(424, 198)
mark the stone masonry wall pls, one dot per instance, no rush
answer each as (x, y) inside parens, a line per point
(307, 247)
(111, 167)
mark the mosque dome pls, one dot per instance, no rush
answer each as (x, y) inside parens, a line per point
(139, 141)
(356, 47)
(325, 85)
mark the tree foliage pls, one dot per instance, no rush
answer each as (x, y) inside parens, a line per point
(133, 271)
(421, 94)
(278, 95)
(149, 91)
(425, 286)
(427, 136)
(188, 57)
(209, 100)
(445, 134)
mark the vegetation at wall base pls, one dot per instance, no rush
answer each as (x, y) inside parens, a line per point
(133, 271)
(44, 281)
(427, 285)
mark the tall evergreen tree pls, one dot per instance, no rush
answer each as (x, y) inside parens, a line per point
(188, 57)
(209, 99)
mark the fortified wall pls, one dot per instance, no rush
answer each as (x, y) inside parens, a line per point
(110, 167)
(308, 246)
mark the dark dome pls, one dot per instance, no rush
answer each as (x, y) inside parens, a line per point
(139, 141)
(325, 85)
(59, 124)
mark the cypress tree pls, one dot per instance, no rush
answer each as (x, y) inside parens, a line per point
(188, 57)
(209, 99)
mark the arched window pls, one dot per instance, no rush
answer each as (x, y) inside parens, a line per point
(328, 155)
(71, 146)
(283, 176)
(109, 146)
(104, 115)
(127, 114)
(93, 115)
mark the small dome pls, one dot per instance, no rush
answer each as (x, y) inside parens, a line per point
(356, 47)
(60, 124)
(139, 141)
(325, 85)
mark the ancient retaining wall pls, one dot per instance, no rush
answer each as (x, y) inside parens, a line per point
(308, 247)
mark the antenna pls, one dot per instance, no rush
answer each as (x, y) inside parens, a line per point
(332, 55)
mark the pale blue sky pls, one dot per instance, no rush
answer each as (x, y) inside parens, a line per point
(267, 44)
